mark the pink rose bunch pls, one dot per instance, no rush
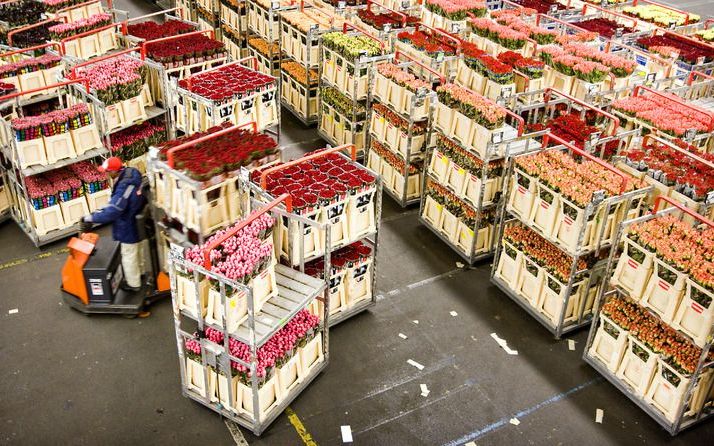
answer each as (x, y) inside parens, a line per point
(668, 115)
(241, 256)
(52, 6)
(504, 35)
(193, 349)
(583, 37)
(64, 30)
(88, 173)
(402, 77)
(484, 111)
(115, 79)
(30, 65)
(456, 10)
(620, 66)
(512, 19)
(592, 72)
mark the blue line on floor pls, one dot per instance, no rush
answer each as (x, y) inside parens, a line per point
(503, 421)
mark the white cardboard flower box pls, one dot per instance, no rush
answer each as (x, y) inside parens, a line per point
(378, 126)
(449, 225)
(609, 343)
(631, 274)
(290, 239)
(466, 238)
(382, 86)
(85, 138)
(59, 147)
(415, 146)
(133, 110)
(543, 213)
(444, 118)
(268, 397)
(186, 295)
(412, 183)
(432, 212)
(553, 296)
(358, 283)
(374, 161)
(530, 283)
(439, 166)
(32, 81)
(418, 111)
(494, 90)
(195, 377)
(472, 189)
(289, 374)
(456, 177)
(695, 318)
(638, 366)
(584, 90)
(218, 388)
(47, 219)
(74, 210)
(106, 40)
(521, 198)
(31, 152)
(335, 216)
(311, 355)
(89, 46)
(567, 229)
(361, 214)
(668, 389)
(462, 128)
(98, 199)
(661, 296)
(396, 96)
(114, 116)
(509, 268)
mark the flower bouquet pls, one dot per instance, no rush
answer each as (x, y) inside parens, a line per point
(431, 44)
(20, 13)
(379, 21)
(227, 83)
(131, 143)
(501, 34)
(270, 51)
(54, 6)
(300, 73)
(115, 80)
(341, 103)
(672, 45)
(707, 35)
(65, 30)
(486, 65)
(660, 16)
(186, 50)
(397, 175)
(668, 115)
(456, 10)
(530, 67)
(34, 36)
(402, 89)
(67, 185)
(41, 192)
(351, 47)
(512, 18)
(29, 65)
(540, 6)
(92, 179)
(591, 72)
(475, 107)
(605, 27)
(151, 30)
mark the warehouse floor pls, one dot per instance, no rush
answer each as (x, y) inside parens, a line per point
(73, 379)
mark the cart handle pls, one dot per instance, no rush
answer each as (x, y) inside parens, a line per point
(83, 80)
(573, 26)
(441, 77)
(144, 44)
(633, 49)
(639, 88)
(32, 48)
(34, 25)
(646, 140)
(689, 39)
(320, 154)
(443, 33)
(686, 14)
(245, 222)
(163, 11)
(346, 26)
(690, 78)
(80, 5)
(596, 160)
(613, 118)
(87, 33)
(73, 70)
(684, 209)
(170, 153)
(399, 13)
(604, 11)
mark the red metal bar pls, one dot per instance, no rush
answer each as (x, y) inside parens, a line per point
(401, 14)
(266, 172)
(443, 33)
(186, 145)
(689, 39)
(32, 48)
(685, 13)
(34, 25)
(615, 119)
(144, 44)
(442, 79)
(672, 146)
(639, 88)
(146, 16)
(682, 208)
(47, 87)
(245, 222)
(611, 168)
(346, 26)
(692, 75)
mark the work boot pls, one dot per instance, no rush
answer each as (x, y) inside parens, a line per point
(132, 289)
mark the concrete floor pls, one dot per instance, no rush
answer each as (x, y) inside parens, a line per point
(73, 379)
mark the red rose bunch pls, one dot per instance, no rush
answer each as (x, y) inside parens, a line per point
(151, 30)
(227, 83)
(185, 50)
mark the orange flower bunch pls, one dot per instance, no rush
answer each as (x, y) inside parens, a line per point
(299, 73)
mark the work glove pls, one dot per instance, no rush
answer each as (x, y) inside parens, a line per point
(84, 225)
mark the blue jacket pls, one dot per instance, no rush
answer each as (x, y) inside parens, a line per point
(126, 202)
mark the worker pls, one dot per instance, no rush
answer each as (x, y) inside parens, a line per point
(125, 203)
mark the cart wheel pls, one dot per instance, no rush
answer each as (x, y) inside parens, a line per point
(129, 316)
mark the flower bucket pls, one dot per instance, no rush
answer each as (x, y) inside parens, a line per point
(466, 238)
(47, 219)
(59, 147)
(416, 146)
(449, 225)
(695, 314)
(444, 118)
(439, 166)
(268, 398)
(378, 126)
(494, 90)
(311, 355)
(545, 209)
(412, 183)
(374, 161)
(32, 81)
(418, 109)
(361, 214)
(98, 200)
(74, 210)
(510, 264)
(664, 291)
(335, 215)
(289, 375)
(472, 189)
(530, 283)
(553, 298)
(464, 75)
(609, 343)
(633, 269)
(432, 212)
(522, 195)
(669, 388)
(391, 136)
(358, 283)
(396, 96)
(31, 153)
(218, 389)
(462, 128)
(195, 377)
(456, 177)
(237, 309)
(638, 366)
(186, 295)
(85, 138)
(585, 90)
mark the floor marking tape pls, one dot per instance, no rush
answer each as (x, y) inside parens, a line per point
(522, 414)
(299, 427)
(44, 255)
(236, 433)
(420, 283)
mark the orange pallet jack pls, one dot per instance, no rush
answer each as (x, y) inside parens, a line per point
(92, 274)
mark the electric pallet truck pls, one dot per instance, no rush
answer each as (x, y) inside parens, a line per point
(92, 274)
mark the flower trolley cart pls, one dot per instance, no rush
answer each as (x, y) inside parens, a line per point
(51, 182)
(653, 342)
(572, 220)
(248, 354)
(330, 188)
(400, 105)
